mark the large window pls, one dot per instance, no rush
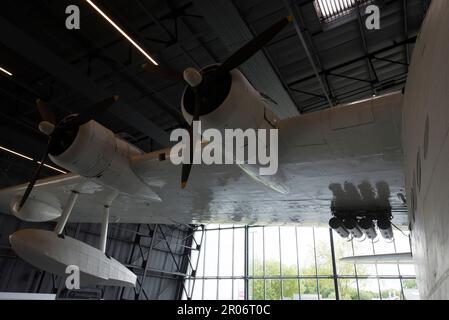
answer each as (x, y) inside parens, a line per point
(273, 263)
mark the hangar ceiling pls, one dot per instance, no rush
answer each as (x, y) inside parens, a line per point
(73, 68)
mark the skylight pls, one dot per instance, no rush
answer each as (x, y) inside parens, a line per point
(331, 9)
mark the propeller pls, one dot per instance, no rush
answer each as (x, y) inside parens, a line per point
(187, 167)
(61, 134)
(253, 46)
(207, 85)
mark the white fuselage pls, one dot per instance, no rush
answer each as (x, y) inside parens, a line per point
(426, 152)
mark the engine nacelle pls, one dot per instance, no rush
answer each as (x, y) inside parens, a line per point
(234, 103)
(40, 207)
(98, 154)
(240, 106)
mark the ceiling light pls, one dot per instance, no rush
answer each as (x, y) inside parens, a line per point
(6, 71)
(30, 159)
(121, 31)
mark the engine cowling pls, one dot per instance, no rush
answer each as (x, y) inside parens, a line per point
(96, 153)
(236, 105)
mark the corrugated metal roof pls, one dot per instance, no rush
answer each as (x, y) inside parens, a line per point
(353, 62)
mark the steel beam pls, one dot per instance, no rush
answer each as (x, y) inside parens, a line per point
(307, 51)
(349, 62)
(146, 261)
(24, 45)
(334, 265)
(370, 65)
(405, 18)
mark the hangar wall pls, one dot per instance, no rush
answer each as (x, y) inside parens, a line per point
(426, 147)
(163, 278)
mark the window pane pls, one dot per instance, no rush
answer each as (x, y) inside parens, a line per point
(391, 289)
(407, 269)
(239, 290)
(410, 289)
(255, 251)
(273, 289)
(256, 289)
(388, 269)
(402, 242)
(383, 246)
(225, 289)
(288, 251)
(365, 269)
(239, 252)
(226, 243)
(323, 251)
(369, 289)
(272, 259)
(362, 248)
(327, 289)
(197, 290)
(211, 253)
(210, 290)
(309, 289)
(347, 289)
(290, 289)
(306, 252)
(343, 248)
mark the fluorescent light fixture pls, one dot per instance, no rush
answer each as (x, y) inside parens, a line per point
(330, 9)
(374, 97)
(121, 31)
(6, 71)
(30, 159)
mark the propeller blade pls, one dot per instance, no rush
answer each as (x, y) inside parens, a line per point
(45, 112)
(91, 113)
(163, 72)
(187, 167)
(35, 175)
(196, 113)
(254, 45)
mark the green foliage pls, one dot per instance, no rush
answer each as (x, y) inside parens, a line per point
(348, 289)
(410, 284)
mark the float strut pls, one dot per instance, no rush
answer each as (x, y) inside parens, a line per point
(104, 229)
(66, 213)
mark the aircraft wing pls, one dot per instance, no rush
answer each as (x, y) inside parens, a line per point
(347, 157)
(394, 258)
